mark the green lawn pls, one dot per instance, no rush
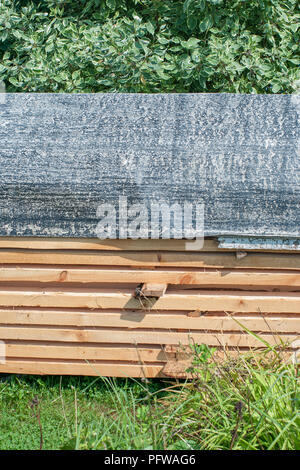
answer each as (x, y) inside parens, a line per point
(100, 414)
(247, 403)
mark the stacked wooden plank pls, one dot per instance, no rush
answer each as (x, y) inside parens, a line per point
(73, 304)
(69, 306)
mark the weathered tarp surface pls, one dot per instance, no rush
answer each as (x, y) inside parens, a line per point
(62, 155)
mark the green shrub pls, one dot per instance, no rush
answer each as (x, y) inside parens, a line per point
(250, 402)
(247, 403)
(242, 46)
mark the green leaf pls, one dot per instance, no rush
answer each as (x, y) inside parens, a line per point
(201, 5)
(3, 36)
(111, 4)
(150, 28)
(163, 40)
(192, 43)
(17, 34)
(49, 47)
(294, 27)
(276, 87)
(13, 81)
(206, 24)
(162, 75)
(187, 5)
(192, 22)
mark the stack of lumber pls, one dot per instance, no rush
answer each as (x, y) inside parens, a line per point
(71, 303)
(69, 306)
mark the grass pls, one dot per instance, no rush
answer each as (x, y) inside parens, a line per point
(251, 402)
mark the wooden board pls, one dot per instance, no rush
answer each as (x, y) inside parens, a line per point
(37, 243)
(21, 366)
(203, 300)
(153, 259)
(138, 337)
(136, 320)
(86, 351)
(119, 275)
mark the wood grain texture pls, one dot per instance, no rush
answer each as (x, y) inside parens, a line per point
(95, 244)
(117, 275)
(86, 351)
(214, 301)
(21, 366)
(138, 337)
(151, 289)
(139, 320)
(42, 243)
(150, 259)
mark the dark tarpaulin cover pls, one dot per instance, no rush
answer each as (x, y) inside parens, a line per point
(62, 155)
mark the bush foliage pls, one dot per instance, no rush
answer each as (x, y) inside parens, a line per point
(150, 46)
